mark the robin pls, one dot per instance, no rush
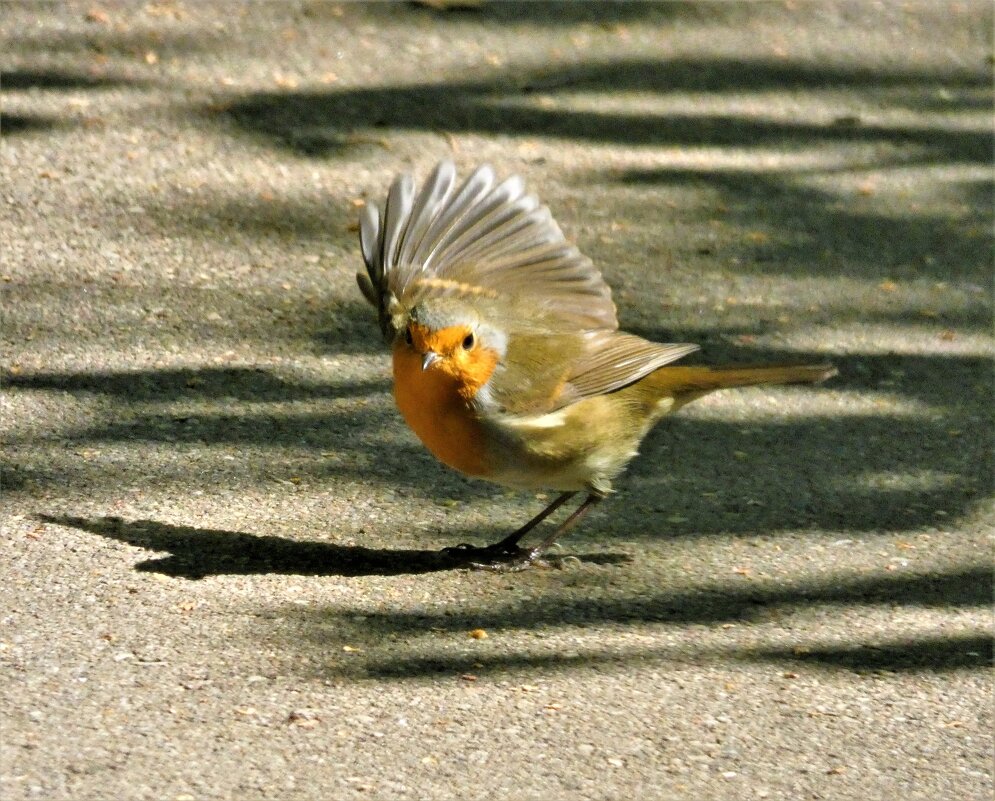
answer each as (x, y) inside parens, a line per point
(508, 362)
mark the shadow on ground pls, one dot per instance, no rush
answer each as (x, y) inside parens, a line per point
(248, 384)
(61, 79)
(196, 553)
(752, 603)
(52, 80)
(320, 123)
(769, 491)
(16, 124)
(686, 483)
(559, 13)
(806, 232)
(745, 601)
(932, 654)
(811, 232)
(95, 42)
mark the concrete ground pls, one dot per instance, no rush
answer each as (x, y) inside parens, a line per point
(219, 578)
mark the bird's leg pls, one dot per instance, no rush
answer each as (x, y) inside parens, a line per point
(566, 525)
(513, 558)
(509, 545)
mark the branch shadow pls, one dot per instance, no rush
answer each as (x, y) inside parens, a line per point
(196, 553)
(61, 79)
(322, 123)
(931, 653)
(546, 13)
(805, 222)
(134, 40)
(846, 239)
(319, 322)
(685, 484)
(966, 587)
(248, 384)
(19, 124)
(307, 219)
(969, 586)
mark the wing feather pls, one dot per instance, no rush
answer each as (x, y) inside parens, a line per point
(548, 371)
(449, 213)
(485, 236)
(613, 360)
(397, 214)
(370, 229)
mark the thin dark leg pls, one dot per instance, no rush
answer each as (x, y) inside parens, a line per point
(509, 545)
(566, 525)
(512, 539)
(507, 555)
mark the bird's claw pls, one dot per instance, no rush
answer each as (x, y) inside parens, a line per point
(500, 557)
(513, 562)
(459, 548)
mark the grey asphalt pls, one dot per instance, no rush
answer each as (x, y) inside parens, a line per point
(219, 567)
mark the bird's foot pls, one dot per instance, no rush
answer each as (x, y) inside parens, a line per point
(512, 563)
(501, 557)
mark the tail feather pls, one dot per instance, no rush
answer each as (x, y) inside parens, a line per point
(688, 383)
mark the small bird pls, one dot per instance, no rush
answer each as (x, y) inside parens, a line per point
(508, 362)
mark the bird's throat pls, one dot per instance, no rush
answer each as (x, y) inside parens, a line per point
(438, 412)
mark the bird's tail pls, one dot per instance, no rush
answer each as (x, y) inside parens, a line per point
(688, 383)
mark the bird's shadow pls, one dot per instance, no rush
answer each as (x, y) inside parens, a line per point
(195, 553)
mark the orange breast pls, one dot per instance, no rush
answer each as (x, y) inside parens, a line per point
(433, 408)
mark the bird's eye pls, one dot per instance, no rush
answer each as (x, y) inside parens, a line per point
(468, 342)
(407, 337)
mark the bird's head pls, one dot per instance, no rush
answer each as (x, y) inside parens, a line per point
(452, 338)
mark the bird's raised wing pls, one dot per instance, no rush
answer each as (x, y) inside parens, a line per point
(483, 238)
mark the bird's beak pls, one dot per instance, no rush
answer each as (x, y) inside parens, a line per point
(428, 358)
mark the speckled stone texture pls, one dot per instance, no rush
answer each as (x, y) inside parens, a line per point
(219, 577)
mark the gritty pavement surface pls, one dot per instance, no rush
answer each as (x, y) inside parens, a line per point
(220, 577)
